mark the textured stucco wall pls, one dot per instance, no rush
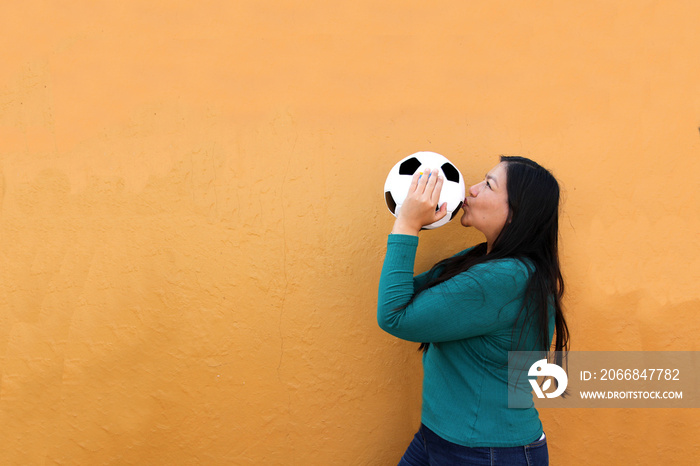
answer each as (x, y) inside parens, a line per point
(192, 223)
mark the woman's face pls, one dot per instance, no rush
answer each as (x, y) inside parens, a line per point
(486, 207)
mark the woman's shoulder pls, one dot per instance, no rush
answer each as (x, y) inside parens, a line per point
(500, 279)
(508, 266)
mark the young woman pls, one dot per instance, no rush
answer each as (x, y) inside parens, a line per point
(470, 310)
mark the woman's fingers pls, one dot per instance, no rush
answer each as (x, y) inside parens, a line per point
(418, 182)
(423, 195)
(426, 184)
(435, 187)
(423, 180)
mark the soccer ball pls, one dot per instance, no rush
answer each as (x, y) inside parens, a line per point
(399, 180)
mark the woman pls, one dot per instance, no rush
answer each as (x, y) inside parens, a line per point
(470, 310)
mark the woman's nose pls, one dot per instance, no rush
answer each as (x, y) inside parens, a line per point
(474, 190)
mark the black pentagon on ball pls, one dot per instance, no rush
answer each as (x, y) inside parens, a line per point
(451, 173)
(409, 167)
(454, 213)
(390, 202)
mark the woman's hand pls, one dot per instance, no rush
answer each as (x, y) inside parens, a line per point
(418, 209)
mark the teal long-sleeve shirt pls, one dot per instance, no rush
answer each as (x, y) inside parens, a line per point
(475, 320)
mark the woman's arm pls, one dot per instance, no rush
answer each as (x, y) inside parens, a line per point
(462, 307)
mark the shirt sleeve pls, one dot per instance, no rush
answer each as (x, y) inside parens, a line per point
(465, 306)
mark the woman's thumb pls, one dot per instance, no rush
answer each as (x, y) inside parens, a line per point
(440, 213)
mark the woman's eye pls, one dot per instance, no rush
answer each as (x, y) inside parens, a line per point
(487, 184)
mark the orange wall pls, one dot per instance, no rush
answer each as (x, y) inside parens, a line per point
(192, 222)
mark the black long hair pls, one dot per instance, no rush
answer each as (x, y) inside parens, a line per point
(530, 234)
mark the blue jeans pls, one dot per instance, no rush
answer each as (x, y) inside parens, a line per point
(429, 449)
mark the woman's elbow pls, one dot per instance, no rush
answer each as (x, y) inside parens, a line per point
(388, 322)
(383, 321)
(393, 327)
